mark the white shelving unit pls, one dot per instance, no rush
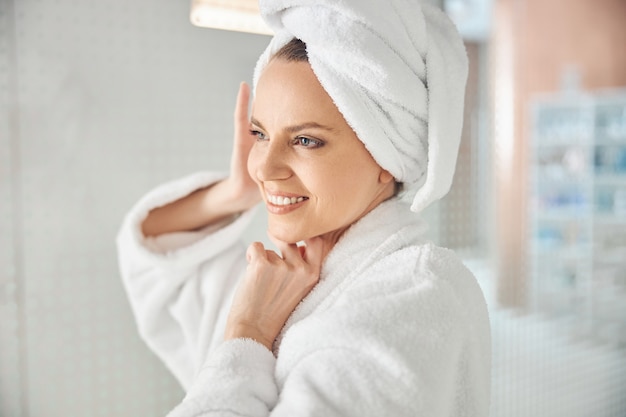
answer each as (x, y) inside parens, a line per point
(578, 209)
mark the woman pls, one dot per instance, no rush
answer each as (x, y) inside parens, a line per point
(364, 317)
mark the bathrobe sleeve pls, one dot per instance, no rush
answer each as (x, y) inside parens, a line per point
(180, 285)
(238, 380)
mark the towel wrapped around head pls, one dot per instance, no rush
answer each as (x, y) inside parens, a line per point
(396, 70)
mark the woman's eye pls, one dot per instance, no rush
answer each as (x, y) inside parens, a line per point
(259, 135)
(308, 142)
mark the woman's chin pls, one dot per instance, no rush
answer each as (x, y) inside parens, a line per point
(287, 236)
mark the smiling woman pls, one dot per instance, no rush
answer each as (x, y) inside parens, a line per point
(309, 153)
(356, 314)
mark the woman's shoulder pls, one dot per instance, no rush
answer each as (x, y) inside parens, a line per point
(420, 288)
(399, 289)
(410, 316)
(413, 299)
(417, 267)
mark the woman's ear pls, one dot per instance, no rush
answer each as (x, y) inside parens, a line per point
(385, 177)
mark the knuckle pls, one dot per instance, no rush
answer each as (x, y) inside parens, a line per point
(313, 279)
(310, 270)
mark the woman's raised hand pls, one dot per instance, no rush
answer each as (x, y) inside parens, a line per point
(221, 200)
(272, 288)
(244, 189)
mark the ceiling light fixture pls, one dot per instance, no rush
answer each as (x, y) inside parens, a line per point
(236, 15)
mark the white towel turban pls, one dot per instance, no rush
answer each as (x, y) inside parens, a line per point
(396, 70)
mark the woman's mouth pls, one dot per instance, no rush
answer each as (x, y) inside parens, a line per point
(281, 200)
(283, 204)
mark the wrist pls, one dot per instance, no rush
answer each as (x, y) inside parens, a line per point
(232, 196)
(245, 331)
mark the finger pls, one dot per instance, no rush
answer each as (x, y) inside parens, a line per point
(290, 251)
(241, 108)
(315, 252)
(272, 256)
(243, 139)
(255, 251)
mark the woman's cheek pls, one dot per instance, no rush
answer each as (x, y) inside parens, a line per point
(251, 165)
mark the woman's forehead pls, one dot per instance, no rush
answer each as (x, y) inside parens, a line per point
(289, 92)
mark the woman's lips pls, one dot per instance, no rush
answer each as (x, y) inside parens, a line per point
(283, 203)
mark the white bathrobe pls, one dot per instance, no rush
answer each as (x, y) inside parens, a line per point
(396, 326)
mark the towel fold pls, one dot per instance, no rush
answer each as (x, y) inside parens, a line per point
(396, 69)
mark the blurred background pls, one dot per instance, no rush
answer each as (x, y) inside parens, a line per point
(100, 101)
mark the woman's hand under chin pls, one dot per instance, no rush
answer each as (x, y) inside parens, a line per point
(272, 288)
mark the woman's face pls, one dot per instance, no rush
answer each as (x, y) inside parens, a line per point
(315, 175)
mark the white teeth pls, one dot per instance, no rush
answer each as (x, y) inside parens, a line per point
(284, 201)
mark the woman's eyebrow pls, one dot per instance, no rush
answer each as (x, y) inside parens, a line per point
(308, 125)
(298, 127)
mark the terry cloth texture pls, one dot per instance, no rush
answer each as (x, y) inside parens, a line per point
(396, 326)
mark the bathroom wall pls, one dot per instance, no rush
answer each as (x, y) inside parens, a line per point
(99, 101)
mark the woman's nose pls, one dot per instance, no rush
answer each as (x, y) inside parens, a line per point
(271, 161)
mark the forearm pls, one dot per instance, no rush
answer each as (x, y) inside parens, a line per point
(180, 284)
(201, 208)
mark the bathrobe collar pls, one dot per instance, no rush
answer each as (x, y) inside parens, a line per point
(387, 228)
